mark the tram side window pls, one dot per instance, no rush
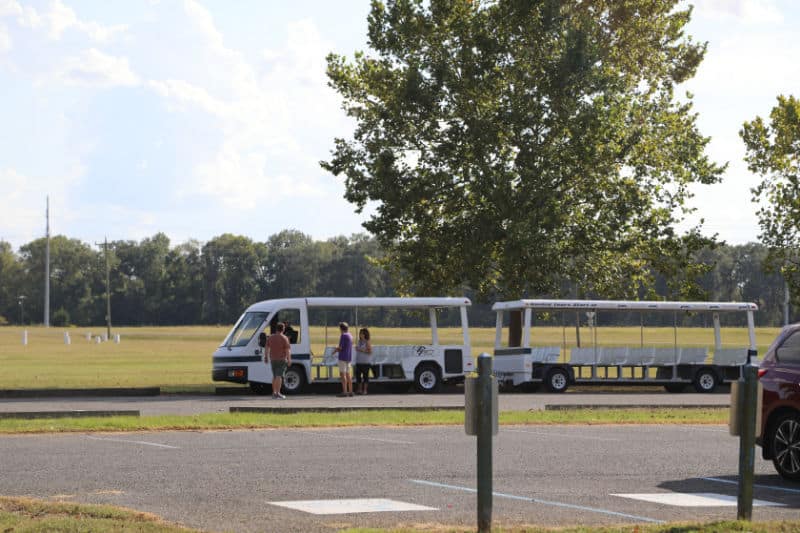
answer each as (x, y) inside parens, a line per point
(245, 329)
(511, 332)
(290, 318)
(789, 352)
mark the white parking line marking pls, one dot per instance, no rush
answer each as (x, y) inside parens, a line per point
(550, 434)
(694, 429)
(136, 442)
(348, 506)
(543, 502)
(770, 487)
(351, 437)
(695, 499)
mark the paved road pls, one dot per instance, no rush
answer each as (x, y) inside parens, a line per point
(192, 404)
(544, 475)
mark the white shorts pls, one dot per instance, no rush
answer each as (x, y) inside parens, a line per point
(344, 367)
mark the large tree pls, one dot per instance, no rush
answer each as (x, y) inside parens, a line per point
(506, 145)
(293, 264)
(142, 267)
(773, 152)
(77, 281)
(352, 269)
(232, 271)
(10, 284)
(183, 300)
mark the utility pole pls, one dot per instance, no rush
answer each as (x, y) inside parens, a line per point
(104, 244)
(21, 299)
(785, 302)
(47, 267)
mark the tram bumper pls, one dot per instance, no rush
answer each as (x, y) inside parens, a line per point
(232, 374)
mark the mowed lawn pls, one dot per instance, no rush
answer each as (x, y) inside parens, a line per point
(179, 358)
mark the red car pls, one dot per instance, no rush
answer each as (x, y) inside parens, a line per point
(780, 416)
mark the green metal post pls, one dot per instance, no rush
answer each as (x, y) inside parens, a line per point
(485, 426)
(747, 441)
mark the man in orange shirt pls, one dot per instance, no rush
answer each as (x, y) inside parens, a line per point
(279, 354)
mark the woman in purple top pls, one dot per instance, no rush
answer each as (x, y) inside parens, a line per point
(345, 351)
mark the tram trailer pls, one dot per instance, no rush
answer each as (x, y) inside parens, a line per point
(525, 366)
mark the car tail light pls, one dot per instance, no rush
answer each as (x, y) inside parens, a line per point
(761, 372)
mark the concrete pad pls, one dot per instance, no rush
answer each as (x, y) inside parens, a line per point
(697, 499)
(348, 506)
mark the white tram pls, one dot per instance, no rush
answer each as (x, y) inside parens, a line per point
(239, 359)
(521, 361)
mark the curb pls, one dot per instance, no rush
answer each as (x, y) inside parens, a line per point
(29, 415)
(569, 407)
(232, 391)
(72, 393)
(336, 409)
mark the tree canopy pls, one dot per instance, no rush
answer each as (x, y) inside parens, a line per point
(773, 152)
(508, 145)
(155, 283)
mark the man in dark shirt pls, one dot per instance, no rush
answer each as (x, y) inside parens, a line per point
(279, 354)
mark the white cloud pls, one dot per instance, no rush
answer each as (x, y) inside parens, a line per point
(201, 18)
(301, 60)
(57, 19)
(26, 17)
(100, 33)
(763, 61)
(61, 18)
(96, 69)
(751, 58)
(10, 8)
(263, 110)
(182, 92)
(241, 129)
(746, 11)
(30, 18)
(5, 39)
(23, 201)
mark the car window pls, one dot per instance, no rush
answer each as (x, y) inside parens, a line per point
(789, 352)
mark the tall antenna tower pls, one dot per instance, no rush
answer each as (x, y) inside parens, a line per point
(104, 244)
(47, 267)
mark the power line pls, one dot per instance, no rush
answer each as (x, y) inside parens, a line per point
(47, 266)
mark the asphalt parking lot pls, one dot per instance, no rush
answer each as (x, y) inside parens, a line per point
(240, 480)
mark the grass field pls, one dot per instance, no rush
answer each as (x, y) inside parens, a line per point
(674, 527)
(226, 421)
(25, 514)
(179, 358)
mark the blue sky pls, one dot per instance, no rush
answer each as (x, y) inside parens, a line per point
(201, 117)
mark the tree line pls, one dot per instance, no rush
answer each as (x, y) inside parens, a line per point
(154, 282)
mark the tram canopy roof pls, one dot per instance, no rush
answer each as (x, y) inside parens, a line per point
(347, 302)
(624, 305)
